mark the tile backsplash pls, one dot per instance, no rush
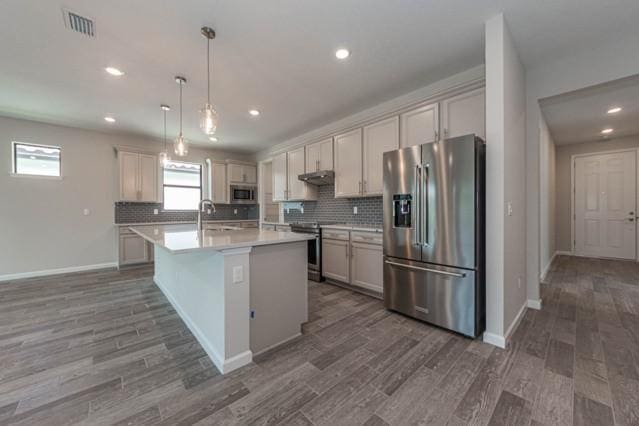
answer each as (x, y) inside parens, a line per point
(143, 212)
(327, 208)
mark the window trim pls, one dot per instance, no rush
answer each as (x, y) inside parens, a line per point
(14, 161)
(164, 185)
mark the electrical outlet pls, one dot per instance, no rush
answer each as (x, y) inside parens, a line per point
(354, 209)
(156, 211)
(86, 212)
(252, 314)
(302, 209)
(234, 211)
(208, 211)
(238, 274)
(510, 208)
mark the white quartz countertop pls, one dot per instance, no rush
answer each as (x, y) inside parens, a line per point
(185, 238)
(349, 227)
(184, 222)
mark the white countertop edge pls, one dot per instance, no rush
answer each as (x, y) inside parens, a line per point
(182, 222)
(354, 228)
(276, 223)
(292, 238)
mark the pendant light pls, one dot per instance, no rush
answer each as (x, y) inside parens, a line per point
(164, 155)
(209, 119)
(181, 145)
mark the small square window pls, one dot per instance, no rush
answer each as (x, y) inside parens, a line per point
(38, 160)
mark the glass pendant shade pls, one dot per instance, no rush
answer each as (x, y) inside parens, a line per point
(208, 120)
(164, 158)
(181, 146)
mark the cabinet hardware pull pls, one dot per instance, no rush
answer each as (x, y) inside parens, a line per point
(435, 271)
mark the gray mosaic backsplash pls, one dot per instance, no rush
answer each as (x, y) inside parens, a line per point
(143, 212)
(327, 208)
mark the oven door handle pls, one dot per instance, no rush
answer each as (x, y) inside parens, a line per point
(435, 271)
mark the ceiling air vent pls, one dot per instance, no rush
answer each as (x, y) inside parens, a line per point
(79, 23)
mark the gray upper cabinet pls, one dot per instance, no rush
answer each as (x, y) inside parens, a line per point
(379, 138)
(319, 156)
(138, 175)
(419, 126)
(280, 177)
(241, 173)
(219, 188)
(464, 114)
(348, 164)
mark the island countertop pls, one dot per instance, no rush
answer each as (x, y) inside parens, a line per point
(186, 238)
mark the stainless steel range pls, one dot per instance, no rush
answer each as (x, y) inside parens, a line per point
(314, 248)
(434, 196)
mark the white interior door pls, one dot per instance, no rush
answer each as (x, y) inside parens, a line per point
(605, 205)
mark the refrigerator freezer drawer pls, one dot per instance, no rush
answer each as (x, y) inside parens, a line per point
(440, 295)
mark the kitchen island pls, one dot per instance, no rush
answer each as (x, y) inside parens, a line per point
(239, 291)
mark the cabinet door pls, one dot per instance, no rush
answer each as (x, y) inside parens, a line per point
(235, 173)
(326, 154)
(367, 269)
(312, 157)
(250, 174)
(419, 126)
(129, 164)
(378, 138)
(133, 249)
(335, 260)
(218, 185)
(148, 179)
(348, 164)
(464, 114)
(296, 188)
(279, 177)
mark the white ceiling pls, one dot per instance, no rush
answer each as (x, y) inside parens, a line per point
(276, 56)
(580, 116)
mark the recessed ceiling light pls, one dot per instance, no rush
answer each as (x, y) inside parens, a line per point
(606, 131)
(213, 139)
(614, 110)
(254, 112)
(342, 53)
(109, 119)
(114, 71)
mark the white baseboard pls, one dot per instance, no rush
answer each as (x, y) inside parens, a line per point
(495, 340)
(563, 252)
(224, 365)
(288, 339)
(534, 304)
(501, 341)
(57, 271)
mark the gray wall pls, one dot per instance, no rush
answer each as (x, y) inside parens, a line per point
(563, 187)
(327, 208)
(41, 222)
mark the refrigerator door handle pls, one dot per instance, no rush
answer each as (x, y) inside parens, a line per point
(434, 271)
(424, 193)
(417, 213)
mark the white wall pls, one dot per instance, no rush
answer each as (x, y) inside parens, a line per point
(41, 222)
(547, 182)
(564, 189)
(579, 69)
(505, 181)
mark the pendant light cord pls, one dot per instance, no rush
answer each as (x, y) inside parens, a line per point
(208, 70)
(181, 83)
(165, 148)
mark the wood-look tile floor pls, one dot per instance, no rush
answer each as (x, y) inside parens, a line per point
(107, 348)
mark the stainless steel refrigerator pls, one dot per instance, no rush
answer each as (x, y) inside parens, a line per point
(434, 233)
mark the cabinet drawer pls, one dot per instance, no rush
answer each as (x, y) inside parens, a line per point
(367, 237)
(335, 234)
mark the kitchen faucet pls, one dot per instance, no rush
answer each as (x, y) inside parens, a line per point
(200, 206)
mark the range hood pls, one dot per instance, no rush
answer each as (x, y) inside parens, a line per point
(323, 177)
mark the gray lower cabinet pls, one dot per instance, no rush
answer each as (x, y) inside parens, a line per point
(367, 269)
(354, 258)
(335, 260)
(133, 249)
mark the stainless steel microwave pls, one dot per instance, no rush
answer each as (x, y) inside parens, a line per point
(242, 194)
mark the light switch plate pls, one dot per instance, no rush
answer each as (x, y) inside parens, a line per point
(238, 274)
(86, 212)
(234, 211)
(354, 209)
(510, 208)
(156, 211)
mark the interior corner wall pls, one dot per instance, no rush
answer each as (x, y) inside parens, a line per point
(547, 189)
(506, 179)
(42, 225)
(589, 66)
